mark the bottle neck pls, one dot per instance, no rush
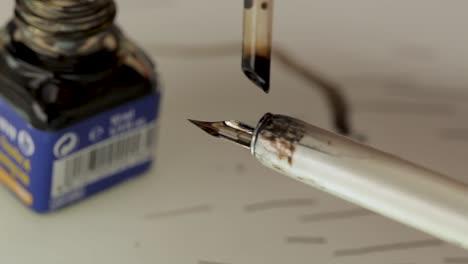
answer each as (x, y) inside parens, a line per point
(64, 28)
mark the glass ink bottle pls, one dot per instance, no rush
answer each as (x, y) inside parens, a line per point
(79, 102)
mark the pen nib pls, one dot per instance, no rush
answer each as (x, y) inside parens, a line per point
(231, 130)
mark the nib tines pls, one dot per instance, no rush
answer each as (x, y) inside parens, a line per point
(232, 130)
(206, 126)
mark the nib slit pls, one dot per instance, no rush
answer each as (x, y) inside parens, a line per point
(231, 130)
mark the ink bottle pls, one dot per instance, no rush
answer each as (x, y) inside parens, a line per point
(79, 103)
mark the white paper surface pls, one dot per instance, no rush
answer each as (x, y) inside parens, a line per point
(401, 64)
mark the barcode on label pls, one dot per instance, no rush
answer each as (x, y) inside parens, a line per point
(102, 160)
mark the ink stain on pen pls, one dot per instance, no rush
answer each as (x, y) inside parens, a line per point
(284, 149)
(283, 134)
(388, 247)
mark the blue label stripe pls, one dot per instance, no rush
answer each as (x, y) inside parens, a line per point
(76, 151)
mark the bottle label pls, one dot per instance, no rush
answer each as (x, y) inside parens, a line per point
(48, 170)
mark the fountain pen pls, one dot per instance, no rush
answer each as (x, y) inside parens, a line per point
(373, 179)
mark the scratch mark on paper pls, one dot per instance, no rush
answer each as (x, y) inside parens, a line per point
(279, 204)
(456, 260)
(209, 262)
(305, 240)
(388, 247)
(335, 215)
(200, 209)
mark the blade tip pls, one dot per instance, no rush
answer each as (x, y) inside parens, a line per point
(260, 82)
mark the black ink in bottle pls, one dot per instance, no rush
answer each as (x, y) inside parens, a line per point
(78, 102)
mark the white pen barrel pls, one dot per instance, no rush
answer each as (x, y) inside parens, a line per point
(375, 180)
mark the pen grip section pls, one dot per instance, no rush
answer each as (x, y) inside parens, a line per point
(370, 178)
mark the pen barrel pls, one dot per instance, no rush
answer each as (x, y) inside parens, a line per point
(378, 181)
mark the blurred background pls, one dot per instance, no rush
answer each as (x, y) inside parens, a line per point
(401, 65)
